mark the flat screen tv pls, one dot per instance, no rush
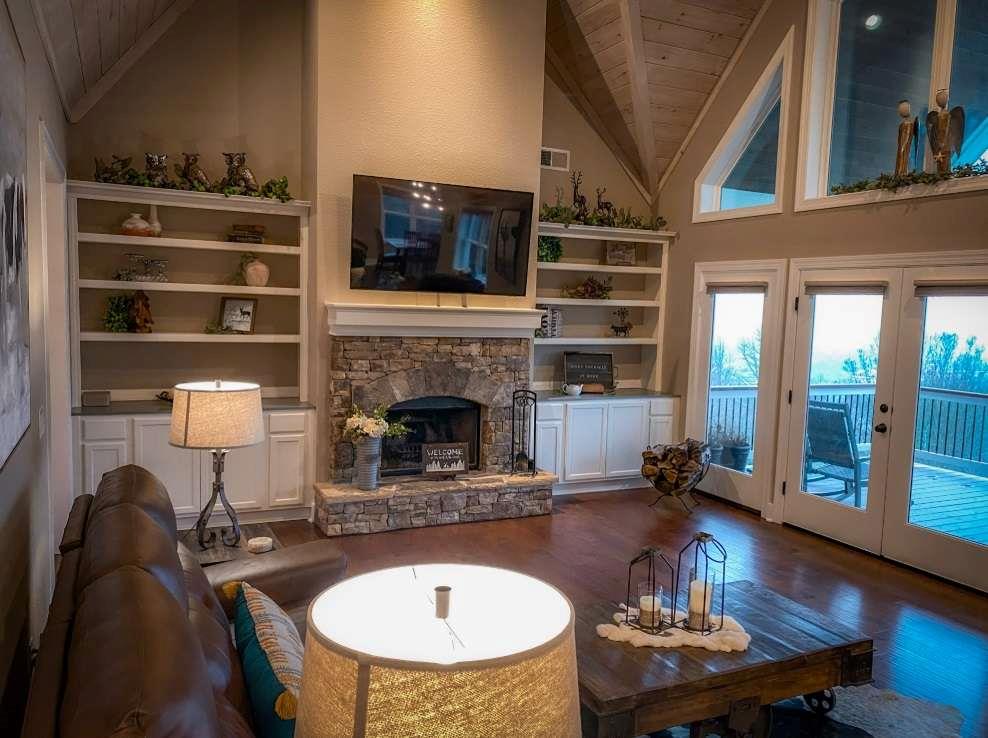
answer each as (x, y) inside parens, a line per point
(433, 237)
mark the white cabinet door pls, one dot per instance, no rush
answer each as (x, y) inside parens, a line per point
(627, 423)
(660, 430)
(98, 458)
(286, 469)
(586, 431)
(177, 468)
(549, 446)
(245, 476)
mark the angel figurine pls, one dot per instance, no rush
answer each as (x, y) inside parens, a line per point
(908, 144)
(945, 131)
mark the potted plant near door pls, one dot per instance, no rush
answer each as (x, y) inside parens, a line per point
(365, 433)
(737, 449)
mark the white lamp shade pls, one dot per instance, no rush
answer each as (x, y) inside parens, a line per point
(379, 663)
(216, 415)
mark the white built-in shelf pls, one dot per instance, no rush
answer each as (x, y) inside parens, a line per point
(106, 336)
(596, 341)
(182, 199)
(598, 233)
(572, 266)
(113, 239)
(581, 302)
(219, 289)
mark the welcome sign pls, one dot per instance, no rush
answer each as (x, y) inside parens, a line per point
(445, 459)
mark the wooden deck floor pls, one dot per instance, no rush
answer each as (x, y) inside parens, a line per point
(943, 500)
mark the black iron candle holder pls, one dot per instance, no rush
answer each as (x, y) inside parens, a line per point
(704, 562)
(653, 560)
(524, 414)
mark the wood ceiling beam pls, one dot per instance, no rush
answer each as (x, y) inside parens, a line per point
(561, 76)
(122, 65)
(634, 44)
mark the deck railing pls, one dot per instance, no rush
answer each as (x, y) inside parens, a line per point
(951, 423)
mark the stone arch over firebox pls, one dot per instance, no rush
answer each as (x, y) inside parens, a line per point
(438, 379)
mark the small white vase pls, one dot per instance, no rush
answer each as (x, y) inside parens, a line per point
(256, 273)
(135, 225)
(154, 222)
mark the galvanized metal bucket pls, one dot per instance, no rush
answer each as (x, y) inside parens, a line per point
(368, 462)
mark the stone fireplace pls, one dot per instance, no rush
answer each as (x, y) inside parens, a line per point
(452, 389)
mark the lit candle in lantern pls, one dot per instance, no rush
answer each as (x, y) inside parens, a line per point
(701, 595)
(650, 610)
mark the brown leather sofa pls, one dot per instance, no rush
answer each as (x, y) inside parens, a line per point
(137, 641)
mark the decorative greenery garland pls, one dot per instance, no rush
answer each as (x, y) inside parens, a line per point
(618, 218)
(893, 182)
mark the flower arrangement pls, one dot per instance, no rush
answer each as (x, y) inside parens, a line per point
(359, 425)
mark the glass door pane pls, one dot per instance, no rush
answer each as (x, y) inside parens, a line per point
(843, 371)
(732, 397)
(949, 491)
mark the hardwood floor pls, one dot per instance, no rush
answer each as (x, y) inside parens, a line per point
(931, 637)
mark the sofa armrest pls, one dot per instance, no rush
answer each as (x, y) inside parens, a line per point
(290, 576)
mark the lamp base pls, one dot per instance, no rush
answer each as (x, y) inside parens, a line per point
(207, 538)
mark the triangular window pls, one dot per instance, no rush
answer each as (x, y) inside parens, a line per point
(744, 174)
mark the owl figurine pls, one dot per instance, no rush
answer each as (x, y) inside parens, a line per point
(190, 174)
(238, 174)
(156, 170)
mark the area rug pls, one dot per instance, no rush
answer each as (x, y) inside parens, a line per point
(861, 712)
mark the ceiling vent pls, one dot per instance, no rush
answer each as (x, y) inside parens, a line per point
(557, 159)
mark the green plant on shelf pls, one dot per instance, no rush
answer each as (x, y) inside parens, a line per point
(117, 316)
(606, 217)
(590, 288)
(550, 248)
(214, 328)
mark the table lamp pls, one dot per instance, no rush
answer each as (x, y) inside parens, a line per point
(217, 416)
(440, 651)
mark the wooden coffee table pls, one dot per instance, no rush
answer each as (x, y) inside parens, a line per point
(795, 651)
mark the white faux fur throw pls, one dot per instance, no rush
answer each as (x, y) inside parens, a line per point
(732, 637)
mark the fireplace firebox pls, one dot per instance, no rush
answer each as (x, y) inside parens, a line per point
(430, 420)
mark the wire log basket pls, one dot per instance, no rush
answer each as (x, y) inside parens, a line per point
(676, 469)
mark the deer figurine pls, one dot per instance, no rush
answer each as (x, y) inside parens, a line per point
(604, 207)
(579, 199)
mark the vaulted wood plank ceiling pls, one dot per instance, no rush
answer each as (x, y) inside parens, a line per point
(640, 71)
(91, 43)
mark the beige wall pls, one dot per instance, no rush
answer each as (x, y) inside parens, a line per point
(226, 77)
(22, 500)
(564, 127)
(446, 91)
(955, 222)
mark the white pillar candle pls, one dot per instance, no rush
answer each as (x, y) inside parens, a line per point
(650, 611)
(701, 595)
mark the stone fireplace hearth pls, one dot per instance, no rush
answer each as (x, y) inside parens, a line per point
(371, 371)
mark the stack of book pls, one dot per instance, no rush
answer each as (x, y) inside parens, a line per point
(246, 233)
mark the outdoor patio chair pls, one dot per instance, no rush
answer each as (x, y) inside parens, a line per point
(832, 453)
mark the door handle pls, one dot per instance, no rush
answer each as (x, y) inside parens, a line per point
(881, 428)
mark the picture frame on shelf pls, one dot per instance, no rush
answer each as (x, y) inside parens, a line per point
(620, 254)
(237, 314)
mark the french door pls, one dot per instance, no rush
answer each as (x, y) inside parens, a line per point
(732, 401)
(843, 373)
(886, 442)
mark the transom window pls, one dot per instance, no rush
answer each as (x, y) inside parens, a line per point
(864, 57)
(744, 174)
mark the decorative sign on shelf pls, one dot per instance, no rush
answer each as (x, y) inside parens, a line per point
(589, 369)
(445, 459)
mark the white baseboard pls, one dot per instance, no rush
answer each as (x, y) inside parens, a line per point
(597, 485)
(220, 518)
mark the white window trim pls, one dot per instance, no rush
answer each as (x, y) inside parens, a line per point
(816, 112)
(739, 135)
(771, 275)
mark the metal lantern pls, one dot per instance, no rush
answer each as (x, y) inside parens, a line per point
(702, 567)
(647, 592)
(524, 413)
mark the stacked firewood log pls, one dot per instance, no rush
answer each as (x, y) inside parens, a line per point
(676, 467)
